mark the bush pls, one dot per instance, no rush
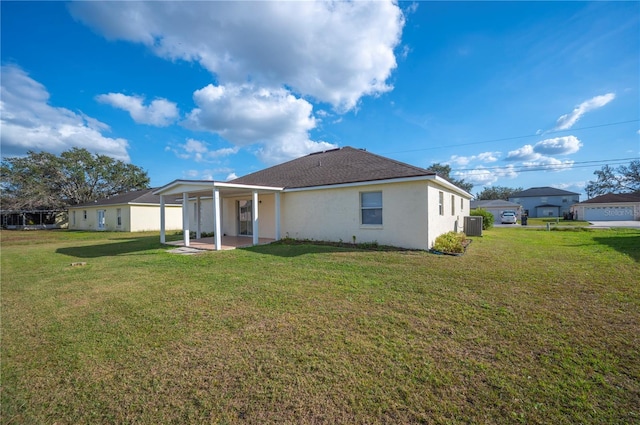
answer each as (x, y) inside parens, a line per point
(487, 217)
(452, 242)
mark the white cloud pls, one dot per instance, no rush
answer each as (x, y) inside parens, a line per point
(160, 112)
(558, 146)
(482, 176)
(465, 160)
(568, 120)
(523, 154)
(549, 164)
(198, 151)
(335, 52)
(246, 115)
(209, 174)
(29, 122)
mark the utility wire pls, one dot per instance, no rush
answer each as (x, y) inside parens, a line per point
(541, 167)
(514, 137)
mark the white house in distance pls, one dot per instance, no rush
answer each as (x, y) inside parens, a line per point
(609, 207)
(343, 194)
(133, 211)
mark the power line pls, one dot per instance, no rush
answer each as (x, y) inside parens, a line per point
(549, 167)
(514, 137)
(580, 164)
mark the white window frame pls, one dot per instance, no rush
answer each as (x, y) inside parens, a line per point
(119, 217)
(441, 202)
(371, 208)
(84, 215)
(453, 205)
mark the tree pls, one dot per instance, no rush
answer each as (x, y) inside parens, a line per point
(623, 179)
(42, 180)
(444, 171)
(497, 192)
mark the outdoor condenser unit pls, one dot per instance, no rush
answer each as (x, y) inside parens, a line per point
(473, 225)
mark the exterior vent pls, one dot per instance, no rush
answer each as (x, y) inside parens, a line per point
(473, 225)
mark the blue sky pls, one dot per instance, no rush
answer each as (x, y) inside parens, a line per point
(515, 94)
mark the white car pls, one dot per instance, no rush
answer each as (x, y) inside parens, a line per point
(508, 217)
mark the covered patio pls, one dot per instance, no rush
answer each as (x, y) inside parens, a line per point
(228, 243)
(243, 232)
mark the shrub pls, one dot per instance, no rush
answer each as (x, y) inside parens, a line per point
(452, 242)
(487, 217)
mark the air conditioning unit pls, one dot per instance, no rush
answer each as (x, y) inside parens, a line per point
(473, 225)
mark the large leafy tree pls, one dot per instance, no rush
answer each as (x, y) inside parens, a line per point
(444, 171)
(623, 179)
(491, 193)
(41, 180)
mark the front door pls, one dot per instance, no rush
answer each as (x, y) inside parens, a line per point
(101, 223)
(245, 219)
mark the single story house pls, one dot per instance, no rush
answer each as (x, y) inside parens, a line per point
(343, 194)
(497, 206)
(134, 211)
(545, 201)
(609, 207)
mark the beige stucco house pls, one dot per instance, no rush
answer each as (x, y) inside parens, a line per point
(134, 211)
(343, 194)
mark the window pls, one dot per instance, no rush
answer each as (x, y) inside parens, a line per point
(84, 214)
(564, 199)
(73, 218)
(119, 214)
(371, 208)
(441, 203)
(453, 205)
(544, 200)
(461, 204)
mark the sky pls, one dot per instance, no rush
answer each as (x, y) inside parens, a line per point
(514, 94)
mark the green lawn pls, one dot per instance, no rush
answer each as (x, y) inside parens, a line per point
(528, 326)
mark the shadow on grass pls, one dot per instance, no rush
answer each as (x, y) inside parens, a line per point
(297, 248)
(122, 247)
(626, 243)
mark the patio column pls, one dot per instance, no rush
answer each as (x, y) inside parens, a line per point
(216, 219)
(199, 227)
(185, 218)
(162, 217)
(254, 213)
(277, 195)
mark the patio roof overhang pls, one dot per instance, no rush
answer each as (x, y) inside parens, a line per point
(205, 188)
(189, 189)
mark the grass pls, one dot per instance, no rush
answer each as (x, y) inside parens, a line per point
(556, 221)
(528, 326)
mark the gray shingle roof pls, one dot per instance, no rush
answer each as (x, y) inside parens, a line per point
(542, 191)
(614, 198)
(144, 196)
(336, 166)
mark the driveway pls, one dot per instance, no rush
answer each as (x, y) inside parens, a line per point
(631, 224)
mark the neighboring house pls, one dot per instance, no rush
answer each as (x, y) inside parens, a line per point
(497, 206)
(545, 201)
(134, 211)
(342, 194)
(609, 207)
